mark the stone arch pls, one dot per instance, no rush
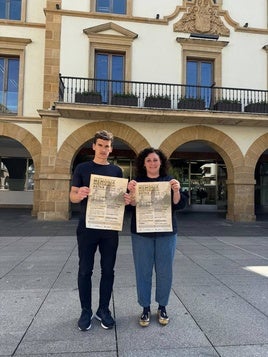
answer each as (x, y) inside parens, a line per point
(239, 181)
(255, 151)
(219, 141)
(74, 142)
(33, 146)
(24, 137)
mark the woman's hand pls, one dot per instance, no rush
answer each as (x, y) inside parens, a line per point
(175, 186)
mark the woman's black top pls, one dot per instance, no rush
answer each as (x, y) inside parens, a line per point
(175, 207)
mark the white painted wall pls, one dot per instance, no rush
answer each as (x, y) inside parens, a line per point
(156, 56)
(156, 134)
(242, 11)
(34, 72)
(34, 11)
(81, 5)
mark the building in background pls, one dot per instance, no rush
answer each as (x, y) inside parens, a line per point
(188, 77)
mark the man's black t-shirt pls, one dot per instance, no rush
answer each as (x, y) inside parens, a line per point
(83, 171)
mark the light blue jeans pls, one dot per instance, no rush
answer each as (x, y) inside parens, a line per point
(157, 253)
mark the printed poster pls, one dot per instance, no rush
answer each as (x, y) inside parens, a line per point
(106, 205)
(153, 207)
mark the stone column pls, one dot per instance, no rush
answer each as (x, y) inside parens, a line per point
(52, 53)
(241, 206)
(54, 182)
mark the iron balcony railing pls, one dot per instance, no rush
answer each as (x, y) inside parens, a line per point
(161, 95)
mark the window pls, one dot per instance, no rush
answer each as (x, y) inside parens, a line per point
(111, 67)
(9, 84)
(10, 9)
(202, 65)
(111, 6)
(199, 73)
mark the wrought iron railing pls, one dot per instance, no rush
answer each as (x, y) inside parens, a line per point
(161, 95)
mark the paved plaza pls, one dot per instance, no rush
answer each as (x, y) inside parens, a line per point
(218, 305)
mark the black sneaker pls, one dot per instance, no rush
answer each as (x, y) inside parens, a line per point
(163, 318)
(84, 322)
(104, 316)
(145, 317)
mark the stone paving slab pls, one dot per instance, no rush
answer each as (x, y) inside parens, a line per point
(217, 307)
(243, 351)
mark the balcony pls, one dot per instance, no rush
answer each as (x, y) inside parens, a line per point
(174, 97)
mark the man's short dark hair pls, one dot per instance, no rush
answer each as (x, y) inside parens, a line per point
(104, 135)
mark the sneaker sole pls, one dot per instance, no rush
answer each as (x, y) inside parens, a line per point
(163, 322)
(87, 328)
(102, 325)
(84, 329)
(144, 323)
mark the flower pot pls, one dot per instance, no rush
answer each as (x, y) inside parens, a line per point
(191, 104)
(157, 102)
(228, 107)
(128, 101)
(257, 108)
(88, 98)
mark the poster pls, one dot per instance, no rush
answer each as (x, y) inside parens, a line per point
(153, 207)
(106, 205)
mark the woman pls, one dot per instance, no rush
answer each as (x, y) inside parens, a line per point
(154, 250)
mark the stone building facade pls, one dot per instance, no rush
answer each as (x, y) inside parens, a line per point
(58, 43)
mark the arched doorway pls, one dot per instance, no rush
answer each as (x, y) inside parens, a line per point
(239, 186)
(256, 160)
(261, 188)
(17, 174)
(202, 173)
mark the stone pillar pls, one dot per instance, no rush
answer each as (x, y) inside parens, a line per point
(54, 198)
(52, 53)
(241, 206)
(54, 182)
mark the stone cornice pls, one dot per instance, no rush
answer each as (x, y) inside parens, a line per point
(117, 113)
(22, 24)
(146, 20)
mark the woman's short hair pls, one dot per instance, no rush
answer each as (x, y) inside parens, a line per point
(140, 168)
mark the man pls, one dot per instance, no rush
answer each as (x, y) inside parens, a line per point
(90, 239)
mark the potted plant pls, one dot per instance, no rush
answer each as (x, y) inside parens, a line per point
(157, 101)
(124, 99)
(257, 107)
(88, 97)
(228, 105)
(191, 103)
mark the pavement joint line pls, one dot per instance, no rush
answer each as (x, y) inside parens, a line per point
(25, 258)
(196, 322)
(224, 284)
(243, 249)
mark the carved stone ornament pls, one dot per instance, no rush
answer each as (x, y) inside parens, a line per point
(202, 16)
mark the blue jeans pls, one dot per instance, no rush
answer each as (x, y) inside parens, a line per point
(157, 253)
(88, 242)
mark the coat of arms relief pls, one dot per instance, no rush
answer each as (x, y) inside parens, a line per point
(202, 16)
